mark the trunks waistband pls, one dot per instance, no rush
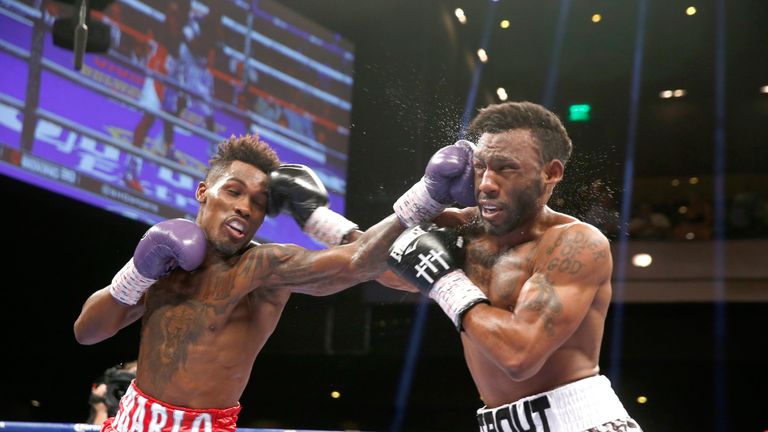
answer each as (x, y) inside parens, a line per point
(139, 412)
(574, 407)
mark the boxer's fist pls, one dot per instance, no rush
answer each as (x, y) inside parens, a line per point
(167, 245)
(431, 258)
(425, 253)
(450, 177)
(295, 189)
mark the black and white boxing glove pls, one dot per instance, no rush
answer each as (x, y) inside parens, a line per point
(296, 190)
(431, 258)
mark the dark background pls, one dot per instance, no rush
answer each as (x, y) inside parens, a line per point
(413, 68)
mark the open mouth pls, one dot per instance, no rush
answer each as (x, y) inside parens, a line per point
(490, 211)
(236, 227)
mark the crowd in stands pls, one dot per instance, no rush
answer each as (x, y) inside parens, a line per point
(692, 218)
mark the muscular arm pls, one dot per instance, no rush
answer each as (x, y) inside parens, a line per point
(552, 303)
(388, 278)
(326, 271)
(102, 317)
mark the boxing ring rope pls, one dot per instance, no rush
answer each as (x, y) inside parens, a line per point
(18, 426)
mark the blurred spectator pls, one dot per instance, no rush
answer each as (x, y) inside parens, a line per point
(649, 224)
(107, 391)
(744, 214)
(696, 220)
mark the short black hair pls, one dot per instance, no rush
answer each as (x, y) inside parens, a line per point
(545, 126)
(244, 148)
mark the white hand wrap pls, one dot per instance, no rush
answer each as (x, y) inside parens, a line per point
(416, 206)
(328, 227)
(129, 285)
(455, 293)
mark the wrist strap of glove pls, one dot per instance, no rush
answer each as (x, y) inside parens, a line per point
(328, 227)
(456, 294)
(416, 206)
(129, 285)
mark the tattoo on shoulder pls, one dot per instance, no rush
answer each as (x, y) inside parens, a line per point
(265, 257)
(568, 247)
(545, 301)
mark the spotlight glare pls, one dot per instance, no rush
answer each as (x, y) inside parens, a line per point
(501, 93)
(693, 180)
(482, 55)
(690, 11)
(504, 24)
(459, 12)
(764, 89)
(596, 18)
(679, 93)
(642, 260)
(335, 394)
(666, 94)
(642, 399)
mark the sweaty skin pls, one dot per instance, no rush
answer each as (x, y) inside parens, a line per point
(546, 274)
(201, 330)
(549, 298)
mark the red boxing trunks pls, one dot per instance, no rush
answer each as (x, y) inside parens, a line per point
(141, 413)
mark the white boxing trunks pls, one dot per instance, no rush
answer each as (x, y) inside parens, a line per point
(589, 404)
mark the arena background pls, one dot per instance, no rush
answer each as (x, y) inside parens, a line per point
(687, 332)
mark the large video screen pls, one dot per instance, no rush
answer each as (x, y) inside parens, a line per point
(133, 129)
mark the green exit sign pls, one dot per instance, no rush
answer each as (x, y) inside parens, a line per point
(579, 113)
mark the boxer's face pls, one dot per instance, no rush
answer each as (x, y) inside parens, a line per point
(508, 180)
(233, 206)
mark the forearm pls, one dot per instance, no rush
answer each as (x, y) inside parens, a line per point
(369, 260)
(335, 269)
(499, 335)
(102, 317)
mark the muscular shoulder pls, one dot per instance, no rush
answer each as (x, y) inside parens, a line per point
(574, 230)
(260, 262)
(575, 248)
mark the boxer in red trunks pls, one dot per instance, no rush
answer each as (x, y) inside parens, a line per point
(209, 297)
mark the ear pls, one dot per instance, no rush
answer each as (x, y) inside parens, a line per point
(202, 188)
(553, 172)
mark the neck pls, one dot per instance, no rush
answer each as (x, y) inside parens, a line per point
(526, 231)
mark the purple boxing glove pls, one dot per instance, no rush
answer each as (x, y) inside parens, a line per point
(450, 176)
(448, 179)
(165, 246)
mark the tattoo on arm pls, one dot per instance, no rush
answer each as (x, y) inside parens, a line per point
(545, 301)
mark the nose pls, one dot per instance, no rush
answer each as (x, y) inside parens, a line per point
(488, 185)
(243, 207)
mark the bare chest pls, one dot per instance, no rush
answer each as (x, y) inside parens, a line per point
(500, 273)
(212, 298)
